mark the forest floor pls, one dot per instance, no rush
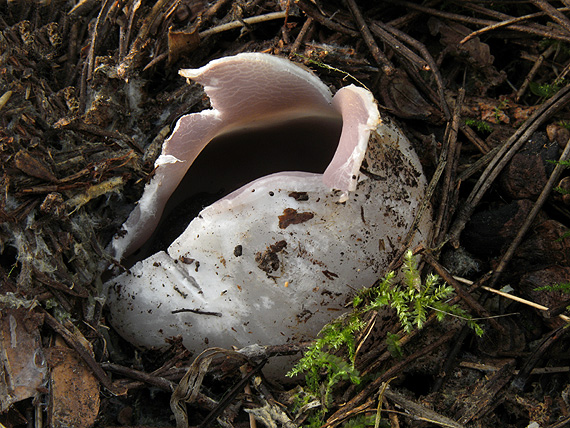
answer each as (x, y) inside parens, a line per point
(89, 91)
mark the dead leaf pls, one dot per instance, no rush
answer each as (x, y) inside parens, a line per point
(22, 365)
(33, 166)
(404, 100)
(74, 390)
(475, 51)
(181, 43)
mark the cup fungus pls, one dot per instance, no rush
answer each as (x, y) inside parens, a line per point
(313, 194)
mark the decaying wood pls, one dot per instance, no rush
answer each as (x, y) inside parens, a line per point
(483, 398)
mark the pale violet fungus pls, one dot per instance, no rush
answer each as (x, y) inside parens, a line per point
(274, 260)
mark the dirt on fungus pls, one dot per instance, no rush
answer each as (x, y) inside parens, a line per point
(89, 91)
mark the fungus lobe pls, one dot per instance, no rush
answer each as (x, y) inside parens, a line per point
(286, 240)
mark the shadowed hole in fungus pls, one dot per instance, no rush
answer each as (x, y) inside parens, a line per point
(236, 158)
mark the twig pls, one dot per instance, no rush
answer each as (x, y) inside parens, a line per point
(548, 33)
(450, 359)
(247, 390)
(484, 397)
(532, 215)
(417, 411)
(71, 53)
(554, 13)
(449, 154)
(368, 406)
(521, 300)
(124, 42)
(461, 292)
(491, 368)
(142, 38)
(95, 37)
(398, 47)
(503, 16)
(242, 23)
(373, 386)
(379, 56)
(285, 33)
(474, 138)
(512, 297)
(478, 164)
(85, 355)
(301, 36)
(506, 23)
(561, 423)
(432, 65)
(533, 71)
(157, 381)
(96, 130)
(504, 155)
(312, 11)
(229, 396)
(520, 380)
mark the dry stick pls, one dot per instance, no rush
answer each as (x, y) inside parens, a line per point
(392, 416)
(418, 411)
(523, 301)
(379, 56)
(372, 360)
(367, 406)
(562, 74)
(127, 36)
(71, 53)
(213, 10)
(461, 292)
(284, 29)
(142, 36)
(85, 355)
(243, 22)
(449, 154)
(474, 138)
(301, 36)
(225, 27)
(159, 382)
(450, 360)
(554, 13)
(247, 391)
(374, 386)
(82, 8)
(510, 296)
(426, 56)
(486, 368)
(532, 215)
(504, 155)
(520, 380)
(95, 37)
(561, 423)
(403, 50)
(503, 16)
(312, 11)
(506, 23)
(548, 33)
(479, 164)
(533, 71)
(229, 397)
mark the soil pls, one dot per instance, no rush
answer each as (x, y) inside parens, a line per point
(89, 91)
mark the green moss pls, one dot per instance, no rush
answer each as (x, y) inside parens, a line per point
(323, 365)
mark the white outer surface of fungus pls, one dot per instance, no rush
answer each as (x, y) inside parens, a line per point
(264, 265)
